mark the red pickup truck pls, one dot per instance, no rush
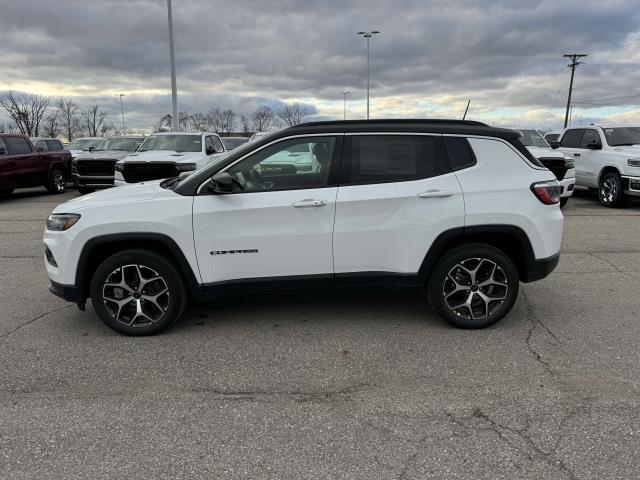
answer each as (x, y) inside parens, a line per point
(22, 165)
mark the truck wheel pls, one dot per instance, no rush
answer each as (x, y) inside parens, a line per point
(473, 286)
(5, 192)
(138, 292)
(563, 201)
(610, 192)
(57, 181)
(86, 190)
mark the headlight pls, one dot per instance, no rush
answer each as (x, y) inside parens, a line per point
(59, 222)
(185, 167)
(633, 162)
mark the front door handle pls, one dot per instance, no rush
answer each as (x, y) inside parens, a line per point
(309, 203)
(435, 194)
(576, 154)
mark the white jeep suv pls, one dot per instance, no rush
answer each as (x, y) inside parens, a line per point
(168, 154)
(607, 158)
(459, 208)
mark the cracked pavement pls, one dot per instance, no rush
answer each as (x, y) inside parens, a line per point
(321, 385)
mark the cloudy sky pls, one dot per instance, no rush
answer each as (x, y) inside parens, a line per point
(431, 56)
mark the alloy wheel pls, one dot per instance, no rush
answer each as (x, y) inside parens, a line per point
(475, 288)
(136, 295)
(58, 182)
(609, 190)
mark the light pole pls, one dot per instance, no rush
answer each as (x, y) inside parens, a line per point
(172, 61)
(368, 35)
(122, 110)
(344, 104)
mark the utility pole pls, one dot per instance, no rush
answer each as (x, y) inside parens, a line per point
(122, 110)
(344, 104)
(172, 61)
(368, 36)
(574, 63)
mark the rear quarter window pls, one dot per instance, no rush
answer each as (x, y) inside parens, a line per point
(460, 153)
(55, 145)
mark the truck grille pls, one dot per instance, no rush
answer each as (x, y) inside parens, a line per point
(96, 168)
(558, 166)
(139, 172)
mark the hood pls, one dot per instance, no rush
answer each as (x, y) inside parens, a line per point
(164, 156)
(104, 155)
(138, 192)
(540, 152)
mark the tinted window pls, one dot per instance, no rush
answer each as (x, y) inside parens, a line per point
(552, 137)
(571, 138)
(208, 144)
(394, 158)
(590, 136)
(288, 165)
(54, 145)
(622, 136)
(218, 145)
(17, 145)
(41, 145)
(460, 153)
(178, 143)
(3, 147)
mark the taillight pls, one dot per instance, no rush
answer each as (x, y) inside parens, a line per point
(547, 192)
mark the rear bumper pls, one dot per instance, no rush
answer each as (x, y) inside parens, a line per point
(537, 269)
(70, 293)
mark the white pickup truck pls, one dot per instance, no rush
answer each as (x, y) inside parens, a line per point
(168, 154)
(607, 158)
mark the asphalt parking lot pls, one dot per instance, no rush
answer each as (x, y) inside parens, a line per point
(328, 385)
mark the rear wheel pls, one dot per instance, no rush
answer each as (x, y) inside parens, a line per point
(563, 201)
(85, 190)
(473, 286)
(610, 191)
(137, 292)
(57, 181)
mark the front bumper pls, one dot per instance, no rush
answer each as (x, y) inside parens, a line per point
(631, 185)
(92, 181)
(70, 293)
(567, 186)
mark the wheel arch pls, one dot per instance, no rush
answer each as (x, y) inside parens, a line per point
(608, 168)
(98, 249)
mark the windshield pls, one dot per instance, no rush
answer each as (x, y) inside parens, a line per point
(122, 144)
(617, 137)
(532, 138)
(83, 143)
(231, 143)
(178, 143)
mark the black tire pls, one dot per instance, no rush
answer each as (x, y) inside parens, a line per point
(157, 315)
(5, 192)
(444, 294)
(563, 201)
(610, 191)
(57, 181)
(86, 190)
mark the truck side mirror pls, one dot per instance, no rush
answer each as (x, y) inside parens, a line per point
(554, 143)
(220, 183)
(594, 145)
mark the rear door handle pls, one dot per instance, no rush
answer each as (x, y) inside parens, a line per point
(435, 194)
(309, 203)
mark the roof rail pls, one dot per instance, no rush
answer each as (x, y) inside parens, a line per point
(432, 121)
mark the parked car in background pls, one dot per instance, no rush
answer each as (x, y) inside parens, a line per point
(22, 165)
(47, 144)
(459, 209)
(560, 165)
(233, 142)
(607, 158)
(79, 146)
(96, 169)
(552, 137)
(168, 154)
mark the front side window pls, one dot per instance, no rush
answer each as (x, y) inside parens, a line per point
(589, 138)
(177, 143)
(17, 145)
(54, 145)
(218, 145)
(298, 163)
(41, 145)
(394, 158)
(571, 138)
(622, 136)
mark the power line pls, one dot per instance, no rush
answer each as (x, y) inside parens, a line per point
(574, 63)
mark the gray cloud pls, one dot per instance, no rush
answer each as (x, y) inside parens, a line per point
(504, 55)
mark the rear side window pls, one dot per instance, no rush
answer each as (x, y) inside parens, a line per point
(589, 137)
(571, 138)
(41, 145)
(3, 147)
(17, 145)
(394, 158)
(54, 145)
(460, 153)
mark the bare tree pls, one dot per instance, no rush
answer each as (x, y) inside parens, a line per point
(263, 119)
(227, 119)
(165, 122)
(107, 129)
(69, 118)
(93, 118)
(246, 125)
(184, 119)
(199, 122)
(215, 119)
(294, 114)
(51, 124)
(25, 110)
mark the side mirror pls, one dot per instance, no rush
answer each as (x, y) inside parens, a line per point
(210, 150)
(554, 143)
(594, 146)
(91, 148)
(220, 183)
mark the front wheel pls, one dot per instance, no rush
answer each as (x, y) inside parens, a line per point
(610, 191)
(57, 181)
(473, 286)
(137, 292)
